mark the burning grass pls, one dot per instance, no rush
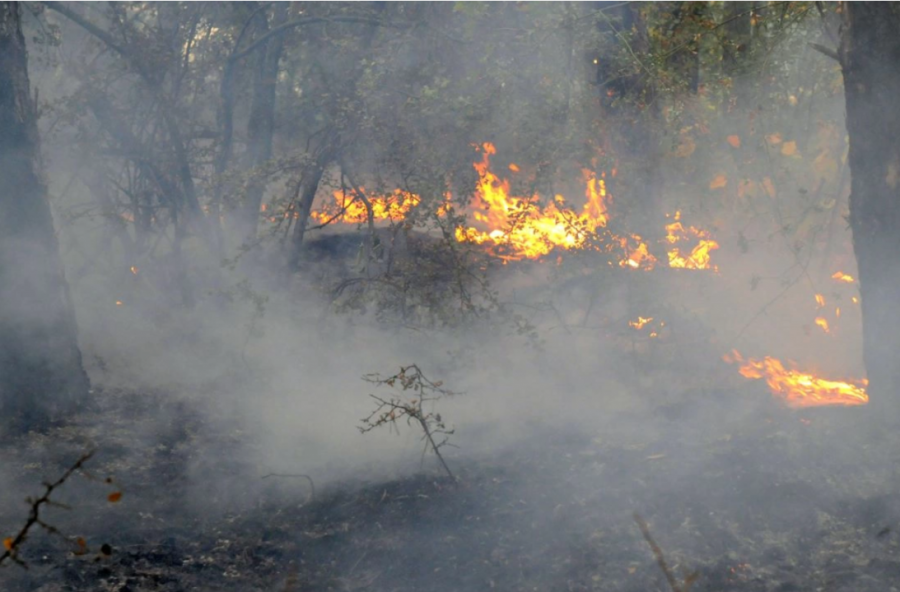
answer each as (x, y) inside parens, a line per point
(801, 389)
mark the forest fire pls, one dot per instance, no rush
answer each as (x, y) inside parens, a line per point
(698, 258)
(352, 208)
(524, 228)
(516, 228)
(800, 389)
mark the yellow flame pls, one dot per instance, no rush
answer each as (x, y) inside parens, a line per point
(699, 255)
(523, 227)
(823, 323)
(640, 322)
(820, 300)
(843, 277)
(799, 389)
(391, 206)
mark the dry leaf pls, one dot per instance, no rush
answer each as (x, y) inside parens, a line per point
(774, 139)
(8, 543)
(789, 148)
(734, 140)
(719, 182)
(114, 497)
(769, 187)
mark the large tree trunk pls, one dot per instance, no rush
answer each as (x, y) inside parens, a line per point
(41, 375)
(870, 57)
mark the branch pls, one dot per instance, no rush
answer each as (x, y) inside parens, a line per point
(826, 51)
(88, 26)
(689, 579)
(311, 20)
(12, 544)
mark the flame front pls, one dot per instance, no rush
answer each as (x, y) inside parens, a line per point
(515, 228)
(800, 389)
(352, 208)
(520, 225)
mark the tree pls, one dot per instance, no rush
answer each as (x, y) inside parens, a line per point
(870, 59)
(41, 374)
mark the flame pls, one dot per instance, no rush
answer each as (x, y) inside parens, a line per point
(523, 227)
(799, 389)
(640, 322)
(823, 323)
(820, 300)
(699, 255)
(390, 206)
(515, 227)
(854, 300)
(133, 269)
(119, 303)
(638, 257)
(843, 277)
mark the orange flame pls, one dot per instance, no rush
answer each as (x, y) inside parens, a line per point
(799, 389)
(843, 277)
(516, 228)
(820, 300)
(699, 255)
(391, 206)
(640, 322)
(521, 225)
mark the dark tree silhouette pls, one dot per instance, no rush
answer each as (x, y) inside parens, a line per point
(870, 57)
(41, 374)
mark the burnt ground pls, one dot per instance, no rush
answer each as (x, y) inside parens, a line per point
(777, 501)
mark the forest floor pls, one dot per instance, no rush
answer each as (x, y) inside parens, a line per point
(786, 501)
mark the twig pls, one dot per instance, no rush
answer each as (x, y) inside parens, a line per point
(689, 579)
(11, 545)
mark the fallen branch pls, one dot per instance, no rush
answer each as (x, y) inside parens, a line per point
(689, 579)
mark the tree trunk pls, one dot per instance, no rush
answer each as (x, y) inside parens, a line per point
(870, 58)
(41, 375)
(261, 126)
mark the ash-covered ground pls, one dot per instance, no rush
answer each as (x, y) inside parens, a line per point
(556, 453)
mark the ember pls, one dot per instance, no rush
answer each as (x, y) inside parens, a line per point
(799, 389)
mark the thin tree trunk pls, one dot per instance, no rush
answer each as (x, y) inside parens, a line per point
(870, 56)
(41, 374)
(261, 126)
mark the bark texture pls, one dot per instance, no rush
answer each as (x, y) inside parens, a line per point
(870, 58)
(41, 374)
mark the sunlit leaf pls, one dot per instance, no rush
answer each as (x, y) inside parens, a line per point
(718, 182)
(734, 140)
